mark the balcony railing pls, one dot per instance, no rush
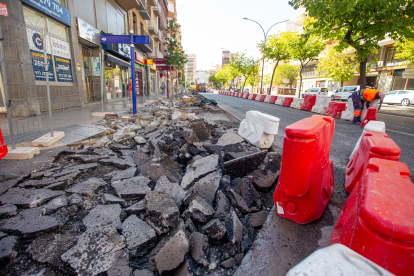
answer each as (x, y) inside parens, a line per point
(153, 2)
(144, 9)
(153, 27)
(147, 48)
(309, 73)
(156, 10)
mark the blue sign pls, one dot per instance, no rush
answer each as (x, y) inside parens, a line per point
(52, 9)
(63, 69)
(126, 39)
(38, 61)
(124, 50)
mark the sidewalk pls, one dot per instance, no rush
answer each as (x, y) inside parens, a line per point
(75, 122)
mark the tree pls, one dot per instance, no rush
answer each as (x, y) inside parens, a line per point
(359, 24)
(253, 78)
(223, 76)
(276, 50)
(405, 51)
(304, 48)
(286, 71)
(337, 65)
(214, 80)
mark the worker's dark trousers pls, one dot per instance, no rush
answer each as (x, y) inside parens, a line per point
(357, 100)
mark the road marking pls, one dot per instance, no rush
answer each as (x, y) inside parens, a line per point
(385, 114)
(399, 132)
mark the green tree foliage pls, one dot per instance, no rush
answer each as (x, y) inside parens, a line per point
(175, 53)
(214, 80)
(337, 65)
(253, 78)
(304, 48)
(359, 24)
(405, 51)
(276, 50)
(223, 76)
(286, 71)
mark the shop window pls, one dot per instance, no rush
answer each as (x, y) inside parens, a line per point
(399, 81)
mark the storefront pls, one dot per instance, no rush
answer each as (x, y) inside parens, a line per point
(117, 70)
(139, 76)
(90, 64)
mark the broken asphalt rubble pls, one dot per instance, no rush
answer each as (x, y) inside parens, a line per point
(172, 191)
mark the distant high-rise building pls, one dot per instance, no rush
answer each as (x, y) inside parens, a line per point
(190, 67)
(225, 57)
(202, 76)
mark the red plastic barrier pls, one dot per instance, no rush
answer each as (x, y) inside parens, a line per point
(377, 219)
(241, 95)
(236, 94)
(373, 145)
(272, 99)
(306, 175)
(232, 94)
(254, 97)
(335, 109)
(287, 101)
(246, 95)
(308, 102)
(3, 147)
(372, 115)
(262, 98)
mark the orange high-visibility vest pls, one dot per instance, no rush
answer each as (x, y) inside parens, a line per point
(369, 94)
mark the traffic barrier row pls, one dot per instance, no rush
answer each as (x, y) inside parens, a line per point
(317, 104)
(3, 147)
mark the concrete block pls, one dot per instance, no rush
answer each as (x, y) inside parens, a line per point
(280, 100)
(22, 153)
(297, 102)
(101, 114)
(336, 260)
(348, 114)
(377, 126)
(259, 128)
(46, 140)
(322, 102)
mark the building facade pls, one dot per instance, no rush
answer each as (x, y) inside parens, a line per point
(71, 31)
(190, 67)
(201, 76)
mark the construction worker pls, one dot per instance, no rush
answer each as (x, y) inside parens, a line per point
(364, 96)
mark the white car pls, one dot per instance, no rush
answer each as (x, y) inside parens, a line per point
(318, 91)
(344, 93)
(404, 97)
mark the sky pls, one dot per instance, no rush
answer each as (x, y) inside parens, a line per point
(210, 25)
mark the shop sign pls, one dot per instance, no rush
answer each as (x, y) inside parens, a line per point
(408, 74)
(125, 50)
(88, 32)
(140, 58)
(61, 53)
(78, 66)
(52, 9)
(3, 10)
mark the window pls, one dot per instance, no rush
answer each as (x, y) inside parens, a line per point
(324, 89)
(402, 92)
(116, 20)
(390, 53)
(350, 89)
(392, 93)
(38, 21)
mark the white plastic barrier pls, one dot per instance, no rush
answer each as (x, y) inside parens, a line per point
(267, 99)
(348, 114)
(251, 96)
(297, 102)
(337, 260)
(322, 102)
(377, 126)
(259, 129)
(280, 100)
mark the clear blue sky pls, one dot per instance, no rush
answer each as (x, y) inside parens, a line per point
(208, 26)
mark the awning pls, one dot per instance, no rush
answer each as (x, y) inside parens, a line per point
(118, 61)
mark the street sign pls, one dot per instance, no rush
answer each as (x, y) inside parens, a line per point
(408, 75)
(160, 60)
(126, 39)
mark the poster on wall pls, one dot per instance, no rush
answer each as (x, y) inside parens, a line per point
(36, 47)
(61, 54)
(96, 67)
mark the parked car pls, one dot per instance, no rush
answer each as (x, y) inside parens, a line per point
(246, 90)
(318, 91)
(344, 93)
(404, 97)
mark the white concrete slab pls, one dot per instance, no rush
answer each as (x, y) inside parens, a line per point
(47, 140)
(101, 114)
(22, 153)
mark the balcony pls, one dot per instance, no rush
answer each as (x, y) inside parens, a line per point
(157, 38)
(153, 2)
(128, 4)
(157, 54)
(153, 27)
(156, 10)
(146, 48)
(144, 9)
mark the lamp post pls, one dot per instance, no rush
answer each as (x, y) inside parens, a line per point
(265, 37)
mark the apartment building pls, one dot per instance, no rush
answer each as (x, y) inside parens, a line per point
(75, 56)
(190, 68)
(201, 76)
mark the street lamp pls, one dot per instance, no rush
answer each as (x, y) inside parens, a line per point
(265, 37)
